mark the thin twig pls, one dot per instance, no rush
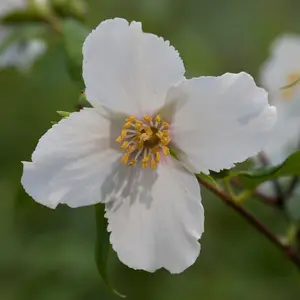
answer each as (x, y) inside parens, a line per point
(250, 218)
(54, 22)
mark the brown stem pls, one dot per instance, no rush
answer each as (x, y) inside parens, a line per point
(250, 218)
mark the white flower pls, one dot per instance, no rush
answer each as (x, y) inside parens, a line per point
(142, 101)
(281, 69)
(20, 54)
(7, 6)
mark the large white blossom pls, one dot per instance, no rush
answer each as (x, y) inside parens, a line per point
(19, 54)
(118, 152)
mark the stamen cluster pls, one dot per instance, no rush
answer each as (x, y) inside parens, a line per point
(144, 141)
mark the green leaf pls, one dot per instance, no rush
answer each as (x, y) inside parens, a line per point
(74, 34)
(103, 246)
(290, 167)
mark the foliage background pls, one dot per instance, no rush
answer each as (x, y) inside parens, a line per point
(47, 254)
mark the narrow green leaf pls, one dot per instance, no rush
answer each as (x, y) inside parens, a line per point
(290, 167)
(103, 247)
(74, 34)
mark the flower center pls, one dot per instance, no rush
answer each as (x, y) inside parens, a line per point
(289, 93)
(144, 141)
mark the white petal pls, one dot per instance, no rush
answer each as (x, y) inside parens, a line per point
(156, 218)
(72, 160)
(129, 70)
(218, 121)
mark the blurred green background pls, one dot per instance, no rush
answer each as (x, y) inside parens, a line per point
(47, 254)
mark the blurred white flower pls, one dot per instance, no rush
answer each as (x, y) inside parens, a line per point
(117, 152)
(7, 6)
(281, 69)
(20, 54)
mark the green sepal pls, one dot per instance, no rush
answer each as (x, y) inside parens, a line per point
(64, 114)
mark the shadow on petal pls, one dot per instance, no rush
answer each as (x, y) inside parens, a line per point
(128, 184)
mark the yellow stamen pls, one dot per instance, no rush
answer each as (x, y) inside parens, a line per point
(148, 130)
(157, 156)
(166, 133)
(165, 141)
(131, 119)
(131, 149)
(119, 139)
(165, 124)
(124, 145)
(127, 125)
(152, 163)
(158, 118)
(139, 125)
(123, 133)
(166, 150)
(125, 158)
(155, 149)
(132, 163)
(147, 119)
(145, 161)
(144, 137)
(160, 134)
